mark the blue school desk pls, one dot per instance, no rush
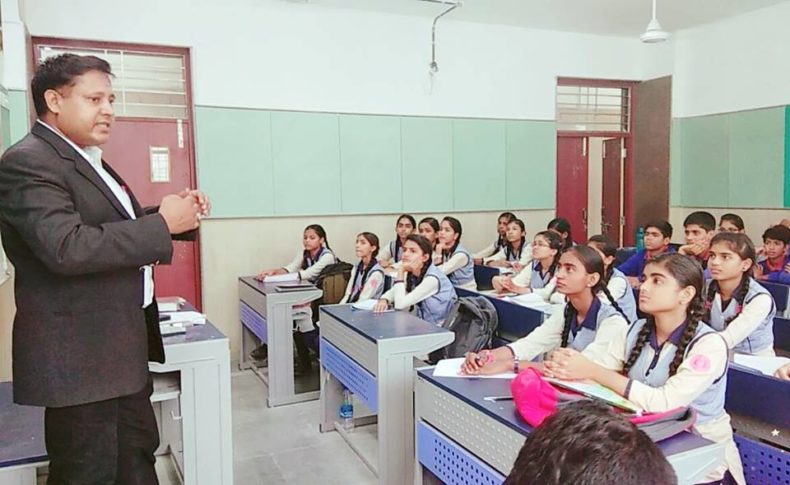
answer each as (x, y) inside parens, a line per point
(782, 335)
(515, 321)
(461, 438)
(484, 275)
(373, 356)
(781, 294)
(267, 317)
(191, 401)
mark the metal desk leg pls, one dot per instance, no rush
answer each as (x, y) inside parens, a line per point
(25, 475)
(396, 418)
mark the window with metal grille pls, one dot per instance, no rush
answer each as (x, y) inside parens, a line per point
(146, 85)
(591, 108)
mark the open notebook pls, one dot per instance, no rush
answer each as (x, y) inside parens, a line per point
(596, 391)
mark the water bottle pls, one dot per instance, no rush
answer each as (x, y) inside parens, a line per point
(347, 411)
(640, 238)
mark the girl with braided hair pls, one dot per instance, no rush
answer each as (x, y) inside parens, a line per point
(516, 254)
(670, 359)
(419, 284)
(616, 282)
(485, 254)
(584, 323)
(546, 251)
(367, 282)
(736, 305)
(452, 258)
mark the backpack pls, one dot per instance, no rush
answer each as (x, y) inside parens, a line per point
(473, 320)
(332, 281)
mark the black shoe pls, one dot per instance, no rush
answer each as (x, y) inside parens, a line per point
(260, 353)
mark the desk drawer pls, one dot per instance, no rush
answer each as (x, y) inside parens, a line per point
(253, 321)
(451, 462)
(351, 374)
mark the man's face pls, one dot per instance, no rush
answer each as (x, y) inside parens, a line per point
(84, 112)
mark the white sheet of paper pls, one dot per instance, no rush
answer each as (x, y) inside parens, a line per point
(282, 278)
(766, 365)
(364, 304)
(187, 317)
(452, 368)
(531, 300)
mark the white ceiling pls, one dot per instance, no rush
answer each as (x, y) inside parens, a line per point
(604, 17)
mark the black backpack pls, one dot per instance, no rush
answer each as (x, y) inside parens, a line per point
(332, 281)
(473, 320)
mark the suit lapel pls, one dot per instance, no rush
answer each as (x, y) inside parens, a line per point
(138, 210)
(83, 167)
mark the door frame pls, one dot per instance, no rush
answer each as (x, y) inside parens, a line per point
(186, 52)
(628, 142)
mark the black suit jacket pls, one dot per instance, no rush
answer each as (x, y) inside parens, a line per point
(80, 334)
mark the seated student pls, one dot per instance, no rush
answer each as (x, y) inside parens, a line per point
(669, 360)
(516, 253)
(482, 256)
(700, 227)
(546, 250)
(419, 284)
(737, 306)
(392, 252)
(584, 322)
(658, 235)
(731, 223)
(428, 228)
(616, 282)
(367, 283)
(586, 442)
(452, 258)
(776, 266)
(562, 227)
(783, 372)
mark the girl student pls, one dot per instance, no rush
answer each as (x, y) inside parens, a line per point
(392, 252)
(732, 223)
(546, 250)
(562, 227)
(419, 284)
(668, 360)
(503, 220)
(452, 258)
(585, 321)
(517, 252)
(367, 282)
(736, 305)
(616, 282)
(428, 227)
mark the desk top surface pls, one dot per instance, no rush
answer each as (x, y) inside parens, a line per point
(472, 391)
(382, 326)
(271, 288)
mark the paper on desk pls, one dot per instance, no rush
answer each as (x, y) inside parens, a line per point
(766, 365)
(364, 304)
(187, 317)
(170, 303)
(281, 278)
(531, 300)
(452, 368)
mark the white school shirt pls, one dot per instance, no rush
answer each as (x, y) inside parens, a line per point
(93, 156)
(311, 273)
(402, 300)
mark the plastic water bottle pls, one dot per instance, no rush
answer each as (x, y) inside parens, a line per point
(347, 411)
(640, 238)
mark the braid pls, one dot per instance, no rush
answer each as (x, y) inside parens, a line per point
(570, 313)
(614, 303)
(696, 311)
(554, 264)
(707, 305)
(305, 258)
(641, 341)
(397, 248)
(412, 281)
(609, 273)
(739, 298)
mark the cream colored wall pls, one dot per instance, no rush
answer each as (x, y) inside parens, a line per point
(7, 312)
(239, 247)
(756, 221)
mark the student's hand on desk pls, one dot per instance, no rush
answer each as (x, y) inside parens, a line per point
(485, 363)
(783, 372)
(269, 272)
(181, 214)
(514, 288)
(381, 306)
(567, 363)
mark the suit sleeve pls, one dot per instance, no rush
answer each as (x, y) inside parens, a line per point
(184, 236)
(36, 203)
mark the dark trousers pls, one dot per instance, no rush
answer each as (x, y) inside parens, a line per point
(106, 442)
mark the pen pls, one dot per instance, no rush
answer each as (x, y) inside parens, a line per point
(498, 398)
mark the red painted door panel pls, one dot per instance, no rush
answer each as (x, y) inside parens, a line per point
(128, 152)
(572, 184)
(611, 193)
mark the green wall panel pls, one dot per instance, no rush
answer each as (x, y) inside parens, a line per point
(234, 160)
(787, 156)
(757, 158)
(479, 164)
(531, 170)
(427, 158)
(675, 164)
(705, 151)
(19, 116)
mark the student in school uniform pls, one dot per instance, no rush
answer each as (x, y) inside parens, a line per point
(546, 251)
(616, 282)
(669, 360)
(737, 306)
(775, 268)
(700, 227)
(308, 263)
(452, 258)
(658, 235)
(584, 322)
(428, 228)
(482, 256)
(517, 252)
(367, 282)
(392, 252)
(419, 284)
(561, 226)
(731, 223)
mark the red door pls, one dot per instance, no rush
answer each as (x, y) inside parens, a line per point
(611, 190)
(572, 184)
(129, 153)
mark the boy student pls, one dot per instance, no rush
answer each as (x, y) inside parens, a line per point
(700, 227)
(658, 235)
(776, 266)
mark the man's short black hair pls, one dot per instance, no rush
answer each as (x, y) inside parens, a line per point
(586, 443)
(777, 233)
(702, 219)
(664, 227)
(58, 71)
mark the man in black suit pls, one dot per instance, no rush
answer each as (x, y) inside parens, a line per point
(86, 323)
